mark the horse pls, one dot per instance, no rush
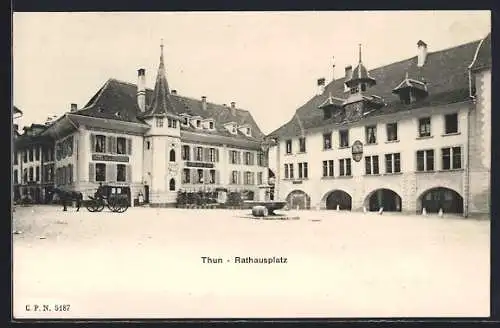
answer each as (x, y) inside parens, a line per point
(68, 195)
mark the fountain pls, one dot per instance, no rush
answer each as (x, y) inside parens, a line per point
(263, 206)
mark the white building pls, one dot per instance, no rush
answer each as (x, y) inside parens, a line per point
(406, 136)
(157, 142)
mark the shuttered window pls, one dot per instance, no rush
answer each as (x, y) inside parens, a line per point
(121, 173)
(100, 172)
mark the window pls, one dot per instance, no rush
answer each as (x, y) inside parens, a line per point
(186, 177)
(234, 177)
(171, 156)
(185, 121)
(354, 90)
(171, 185)
(170, 122)
(235, 157)
(452, 158)
(247, 178)
(327, 113)
(198, 124)
(148, 144)
(288, 171)
(31, 173)
(25, 175)
(302, 145)
(327, 141)
(25, 156)
(259, 178)
(289, 146)
(392, 131)
(211, 176)
(185, 152)
(393, 163)
(451, 123)
(363, 87)
(37, 173)
(16, 179)
(159, 122)
(328, 168)
(303, 170)
(425, 160)
(371, 134)
(344, 138)
(200, 176)
(345, 167)
(212, 155)
(100, 144)
(121, 145)
(31, 154)
(15, 158)
(260, 158)
(247, 158)
(37, 153)
(424, 127)
(211, 125)
(371, 165)
(199, 154)
(121, 175)
(100, 172)
(248, 131)
(234, 129)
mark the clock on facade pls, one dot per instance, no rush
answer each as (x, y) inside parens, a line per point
(357, 150)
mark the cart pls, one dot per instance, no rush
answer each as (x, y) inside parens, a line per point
(116, 198)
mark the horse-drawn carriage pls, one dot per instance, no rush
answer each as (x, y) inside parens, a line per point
(116, 198)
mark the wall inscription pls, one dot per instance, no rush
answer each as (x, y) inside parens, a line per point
(110, 158)
(200, 164)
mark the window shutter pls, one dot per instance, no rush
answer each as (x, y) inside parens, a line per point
(112, 144)
(129, 146)
(109, 144)
(92, 142)
(128, 171)
(239, 177)
(217, 154)
(194, 176)
(70, 173)
(230, 153)
(110, 172)
(206, 177)
(217, 177)
(238, 157)
(206, 153)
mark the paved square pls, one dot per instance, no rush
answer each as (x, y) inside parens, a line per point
(147, 263)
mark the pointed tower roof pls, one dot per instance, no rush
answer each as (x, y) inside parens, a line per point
(360, 74)
(161, 103)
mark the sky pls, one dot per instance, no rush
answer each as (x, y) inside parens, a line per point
(266, 62)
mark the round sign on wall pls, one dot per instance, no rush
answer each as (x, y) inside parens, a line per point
(357, 151)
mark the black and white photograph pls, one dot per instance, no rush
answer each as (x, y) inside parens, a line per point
(274, 164)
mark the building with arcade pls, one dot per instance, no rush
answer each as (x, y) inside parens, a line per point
(410, 135)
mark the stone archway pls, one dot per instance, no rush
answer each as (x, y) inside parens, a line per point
(338, 198)
(384, 198)
(443, 198)
(298, 199)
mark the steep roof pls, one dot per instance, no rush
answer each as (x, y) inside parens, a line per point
(16, 110)
(121, 97)
(483, 56)
(445, 72)
(161, 103)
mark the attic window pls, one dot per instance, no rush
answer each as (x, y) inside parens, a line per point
(185, 120)
(363, 87)
(248, 131)
(234, 129)
(327, 113)
(198, 124)
(211, 125)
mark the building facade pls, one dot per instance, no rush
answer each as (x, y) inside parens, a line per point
(157, 143)
(408, 136)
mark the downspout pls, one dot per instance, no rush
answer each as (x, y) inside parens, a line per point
(75, 149)
(277, 179)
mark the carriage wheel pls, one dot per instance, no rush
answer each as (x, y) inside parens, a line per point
(122, 206)
(92, 206)
(112, 205)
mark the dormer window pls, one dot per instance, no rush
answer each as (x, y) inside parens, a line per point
(159, 122)
(410, 90)
(248, 131)
(198, 124)
(363, 87)
(211, 125)
(185, 120)
(234, 129)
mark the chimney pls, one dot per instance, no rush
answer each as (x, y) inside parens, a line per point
(204, 102)
(422, 53)
(174, 92)
(74, 107)
(233, 108)
(333, 68)
(321, 86)
(141, 89)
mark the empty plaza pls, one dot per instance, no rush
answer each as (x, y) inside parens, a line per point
(149, 263)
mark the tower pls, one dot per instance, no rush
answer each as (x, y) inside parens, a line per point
(162, 172)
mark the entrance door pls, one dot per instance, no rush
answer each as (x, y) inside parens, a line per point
(146, 194)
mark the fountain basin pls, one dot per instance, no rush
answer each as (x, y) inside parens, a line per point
(271, 206)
